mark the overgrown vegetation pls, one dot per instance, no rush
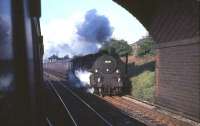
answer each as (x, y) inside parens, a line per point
(146, 47)
(143, 86)
(121, 47)
(142, 73)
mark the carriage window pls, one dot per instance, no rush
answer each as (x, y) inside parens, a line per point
(6, 50)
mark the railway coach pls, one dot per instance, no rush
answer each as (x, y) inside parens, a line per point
(21, 73)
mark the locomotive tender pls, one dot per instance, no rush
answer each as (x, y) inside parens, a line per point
(108, 75)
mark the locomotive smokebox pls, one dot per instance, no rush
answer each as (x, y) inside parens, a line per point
(108, 75)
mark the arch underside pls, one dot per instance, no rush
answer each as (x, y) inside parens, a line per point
(174, 25)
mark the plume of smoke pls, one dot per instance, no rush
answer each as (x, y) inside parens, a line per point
(95, 28)
(81, 48)
(74, 80)
(6, 82)
(80, 79)
(5, 39)
(94, 31)
(83, 76)
(60, 50)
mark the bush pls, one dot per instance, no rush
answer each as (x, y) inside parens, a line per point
(143, 86)
(121, 47)
(146, 47)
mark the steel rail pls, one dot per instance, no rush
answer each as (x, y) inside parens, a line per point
(84, 102)
(80, 99)
(49, 122)
(60, 98)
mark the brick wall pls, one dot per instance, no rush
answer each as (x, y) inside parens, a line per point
(175, 20)
(175, 28)
(178, 82)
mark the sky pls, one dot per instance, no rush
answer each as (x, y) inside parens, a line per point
(60, 19)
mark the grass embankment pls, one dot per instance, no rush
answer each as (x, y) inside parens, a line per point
(143, 86)
(142, 77)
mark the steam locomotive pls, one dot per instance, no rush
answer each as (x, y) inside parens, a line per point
(108, 75)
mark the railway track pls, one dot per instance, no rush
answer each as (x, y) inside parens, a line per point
(147, 115)
(63, 103)
(109, 115)
(56, 111)
(77, 107)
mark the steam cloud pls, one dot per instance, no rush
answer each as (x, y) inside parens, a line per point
(95, 28)
(60, 50)
(94, 31)
(81, 79)
(91, 34)
(6, 83)
(5, 39)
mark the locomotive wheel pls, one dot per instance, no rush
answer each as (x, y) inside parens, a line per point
(103, 92)
(100, 92)
(119, 91)
(109, 91)
(95, 90)
(114, 91)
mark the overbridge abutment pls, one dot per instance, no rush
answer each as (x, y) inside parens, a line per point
(174, 25)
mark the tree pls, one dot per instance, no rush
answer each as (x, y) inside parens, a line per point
(66, 57)
(54, 57)
(146, 46)
(121, 47)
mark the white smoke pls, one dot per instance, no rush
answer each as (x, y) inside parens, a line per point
(5, 39)
(86, 37)
(73, 80)
(84, 77)
(6, 82)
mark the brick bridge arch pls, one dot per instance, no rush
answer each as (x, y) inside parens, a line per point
(174, 25)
